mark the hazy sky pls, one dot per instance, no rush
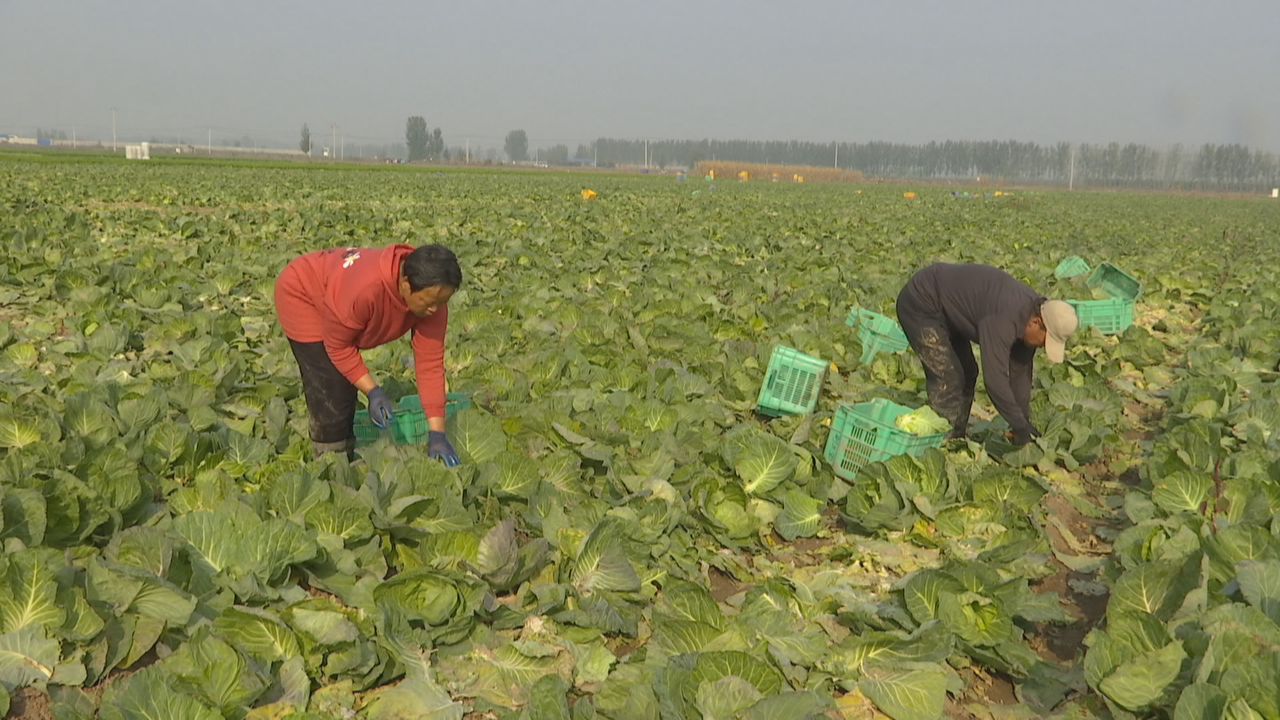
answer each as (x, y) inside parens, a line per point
(569, 71)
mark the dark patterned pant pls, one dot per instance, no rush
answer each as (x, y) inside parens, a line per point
(331, 399)
(950, 370)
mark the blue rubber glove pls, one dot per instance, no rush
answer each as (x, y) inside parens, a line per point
(438, 447)
(381, 411)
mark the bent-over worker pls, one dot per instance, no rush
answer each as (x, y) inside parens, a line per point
(945, 308)
(334, 303)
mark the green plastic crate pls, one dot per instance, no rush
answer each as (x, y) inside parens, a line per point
(791, 384)
(1071, 267)
(410, 423)
(864, 433)
(1115, 282)
(877, 333)
(1111, 317)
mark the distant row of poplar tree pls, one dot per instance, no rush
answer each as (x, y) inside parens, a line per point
(1233, 168)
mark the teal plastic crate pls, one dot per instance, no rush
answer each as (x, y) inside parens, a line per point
(1071, 267)
(1110, 317)
(791, 383)
(864, 433)
(877, 333)
(409, 426)
(1115, 282)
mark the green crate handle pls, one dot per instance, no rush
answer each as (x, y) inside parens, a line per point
(877, 333)
(1110, 317)
(1115, 282)
(792, 383)
(1071, 267)
(410, 423)
(864, 433)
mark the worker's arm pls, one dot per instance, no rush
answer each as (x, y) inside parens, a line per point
(341, 330)
(428, 365)
(1021, 364)
(996, 337)
(428, 362)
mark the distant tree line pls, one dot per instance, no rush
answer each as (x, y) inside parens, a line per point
(422, 144)
(1210, 167)
(1230, 168)
(516, 146)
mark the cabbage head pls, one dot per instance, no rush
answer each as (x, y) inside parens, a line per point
(922, 422)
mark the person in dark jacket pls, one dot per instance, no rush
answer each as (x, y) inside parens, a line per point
(945, 308)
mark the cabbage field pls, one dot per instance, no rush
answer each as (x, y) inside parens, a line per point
(626, 538)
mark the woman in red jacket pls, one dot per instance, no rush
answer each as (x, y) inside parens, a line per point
(334, 303)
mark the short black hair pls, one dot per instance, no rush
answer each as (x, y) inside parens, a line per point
(431, 265)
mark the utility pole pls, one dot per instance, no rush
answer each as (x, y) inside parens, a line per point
(646, 153)
(837, 165)
(113, 129)
(468, 149)
(595, 154)
(208, 148)
(333, 142)
(1071, 177)
(73, 137)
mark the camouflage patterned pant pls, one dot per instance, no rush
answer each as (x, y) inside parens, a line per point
(950, 369)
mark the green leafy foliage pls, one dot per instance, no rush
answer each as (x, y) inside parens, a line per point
(625, 538)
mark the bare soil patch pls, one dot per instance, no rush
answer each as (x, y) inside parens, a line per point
(1085, 599)
(723, 586)
(29, 704)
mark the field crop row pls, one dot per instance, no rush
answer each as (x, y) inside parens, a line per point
(625, 537)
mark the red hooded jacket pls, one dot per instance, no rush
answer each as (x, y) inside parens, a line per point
(349, 299)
